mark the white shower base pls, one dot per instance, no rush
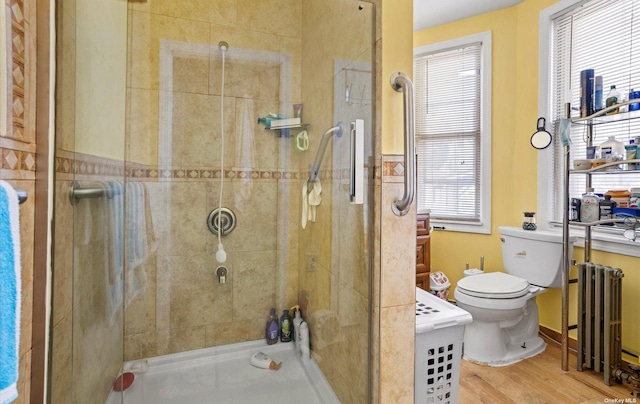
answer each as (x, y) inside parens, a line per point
(223, 375)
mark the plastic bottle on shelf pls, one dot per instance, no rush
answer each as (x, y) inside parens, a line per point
(630, 151)
(612, 150)
(590, 207)
(613, 98)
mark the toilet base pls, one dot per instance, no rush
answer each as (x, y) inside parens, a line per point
(502, 343)
(513, 353)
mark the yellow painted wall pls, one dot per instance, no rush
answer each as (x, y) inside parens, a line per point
(397, 55)
(101, 73)
(514, 165)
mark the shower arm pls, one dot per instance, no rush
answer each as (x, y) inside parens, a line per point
(315, 167)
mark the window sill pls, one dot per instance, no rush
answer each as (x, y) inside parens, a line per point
(461, 227)
(610, 241)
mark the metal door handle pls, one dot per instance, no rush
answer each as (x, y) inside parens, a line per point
(356, 182)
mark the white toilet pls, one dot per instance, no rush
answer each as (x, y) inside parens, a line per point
(503, 305)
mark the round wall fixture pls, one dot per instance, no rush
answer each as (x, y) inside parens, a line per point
(227, 221)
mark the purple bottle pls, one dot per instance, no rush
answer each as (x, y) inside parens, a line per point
(272, 329)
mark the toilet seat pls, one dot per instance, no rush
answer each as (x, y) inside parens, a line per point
(494, 285)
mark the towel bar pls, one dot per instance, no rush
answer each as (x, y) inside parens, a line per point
(92, 191)
(22, 195)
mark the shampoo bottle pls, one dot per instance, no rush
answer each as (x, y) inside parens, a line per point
(304, 341)
(272, 330)
(297, 319)
(286, 333)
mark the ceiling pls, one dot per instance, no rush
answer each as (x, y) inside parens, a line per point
(430, 13)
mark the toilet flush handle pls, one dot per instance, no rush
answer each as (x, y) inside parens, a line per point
(502, 239)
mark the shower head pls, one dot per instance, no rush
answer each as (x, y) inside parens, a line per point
(223, 46)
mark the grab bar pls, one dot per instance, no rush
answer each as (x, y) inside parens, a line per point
(315, 167)
(401, 83)
(93, 191)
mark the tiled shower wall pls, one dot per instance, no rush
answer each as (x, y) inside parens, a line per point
(18, 158)
(174, 150)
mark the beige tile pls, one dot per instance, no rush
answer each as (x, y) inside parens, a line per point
(191, 73)
(397, 339)
(186, 339)
(140, 313)
(234, 332)
(280, 17)
(223, 12)
(187, 214)
(195, 134)
(61, 352)
(291, 52)
(254, 283)
(197, 298)
(131, 347)
(150, 32)
(398, 251)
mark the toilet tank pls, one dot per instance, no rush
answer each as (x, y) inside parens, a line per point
(534, 255)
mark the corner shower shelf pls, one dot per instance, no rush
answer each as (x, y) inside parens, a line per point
(301, 126)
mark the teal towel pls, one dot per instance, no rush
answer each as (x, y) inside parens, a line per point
(9, 292)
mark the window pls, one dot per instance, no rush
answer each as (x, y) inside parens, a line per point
(453, 132)
(578, 35)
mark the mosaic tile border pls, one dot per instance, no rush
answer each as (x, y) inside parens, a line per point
(17, 160)
(393, 169)
(95, 166)
(18, 73)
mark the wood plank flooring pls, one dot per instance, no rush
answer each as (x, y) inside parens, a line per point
(537, 380)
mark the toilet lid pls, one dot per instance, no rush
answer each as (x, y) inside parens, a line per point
(497, 285)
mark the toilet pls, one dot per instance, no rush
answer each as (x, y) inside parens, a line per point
(503, 305)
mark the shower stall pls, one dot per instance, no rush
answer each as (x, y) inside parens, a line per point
(144, 141)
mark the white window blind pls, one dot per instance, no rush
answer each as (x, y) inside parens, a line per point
(448, 89)
(598, 35)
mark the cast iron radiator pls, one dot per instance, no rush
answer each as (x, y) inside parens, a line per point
(599, 319)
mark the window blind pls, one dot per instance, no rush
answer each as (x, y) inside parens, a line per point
(448, 133)
(598, 35)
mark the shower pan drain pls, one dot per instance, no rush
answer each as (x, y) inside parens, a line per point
(226, 218)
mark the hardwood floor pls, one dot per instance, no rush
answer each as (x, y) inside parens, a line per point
(537, 380)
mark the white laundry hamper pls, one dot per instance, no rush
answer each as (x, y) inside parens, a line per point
(439, 332)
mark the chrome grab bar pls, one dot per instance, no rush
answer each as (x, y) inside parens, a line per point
(93, 191)
(315, 167)
(401, 83)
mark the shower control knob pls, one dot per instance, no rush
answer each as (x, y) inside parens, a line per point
(221, 272)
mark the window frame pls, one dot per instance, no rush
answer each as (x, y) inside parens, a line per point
(600, 241)
(485, 39)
